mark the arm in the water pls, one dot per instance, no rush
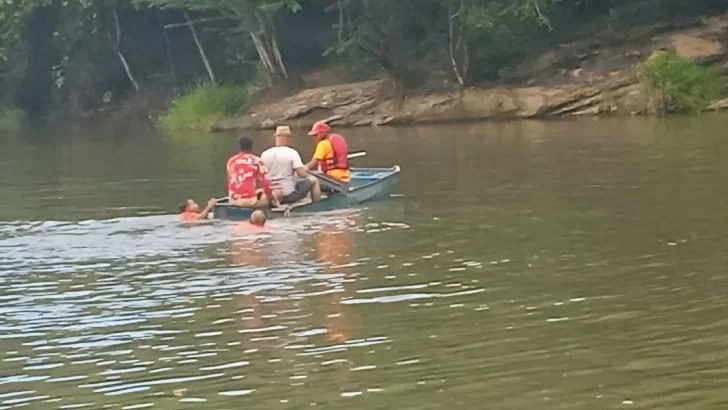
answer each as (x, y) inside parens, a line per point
(205, 212)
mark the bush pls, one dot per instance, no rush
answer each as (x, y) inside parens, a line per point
(685, 85)
(205, 105)
(11, 119)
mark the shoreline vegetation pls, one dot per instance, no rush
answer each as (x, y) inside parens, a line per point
(198, 65)
(205, 105)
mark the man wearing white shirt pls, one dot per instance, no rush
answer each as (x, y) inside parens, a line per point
(288, 175)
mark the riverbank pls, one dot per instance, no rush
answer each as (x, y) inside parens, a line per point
(590, 77)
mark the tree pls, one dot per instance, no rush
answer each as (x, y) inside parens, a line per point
(394, 34)
(468, 17)
(115, 41)
(401, 36)
(14, 18)
(254, 18)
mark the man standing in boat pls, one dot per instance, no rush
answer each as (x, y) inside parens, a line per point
(245, 171)
(330, 155)
(284, 165)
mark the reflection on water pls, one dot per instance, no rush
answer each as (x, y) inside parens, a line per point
(558, 265)
(142, 311)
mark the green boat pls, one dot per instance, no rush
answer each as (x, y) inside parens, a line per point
(366, 184)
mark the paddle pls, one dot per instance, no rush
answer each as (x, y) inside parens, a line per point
(357, 154)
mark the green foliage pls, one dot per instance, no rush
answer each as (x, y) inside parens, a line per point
(684, 84)
(252, 17)
(63, 52)
(11, 118)
(206, 104)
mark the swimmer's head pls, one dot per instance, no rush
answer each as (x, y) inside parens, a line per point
(189, 206)
(257, 218)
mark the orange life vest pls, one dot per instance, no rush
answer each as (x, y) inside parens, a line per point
(340, 159)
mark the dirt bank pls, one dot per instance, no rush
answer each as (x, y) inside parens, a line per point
(585, 78)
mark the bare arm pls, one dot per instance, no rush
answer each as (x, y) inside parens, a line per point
(322, 151)
(302, 172)
(298, 166)
(205, 212)
(313, 164)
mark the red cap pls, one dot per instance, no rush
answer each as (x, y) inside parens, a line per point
(319, 127)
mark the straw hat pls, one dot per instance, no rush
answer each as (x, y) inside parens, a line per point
(283, 131)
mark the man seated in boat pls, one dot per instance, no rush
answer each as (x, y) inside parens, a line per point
(190, 211)
(245, 171)
(289, 177)
(330, 156)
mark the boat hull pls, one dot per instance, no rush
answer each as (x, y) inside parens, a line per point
(366, 184)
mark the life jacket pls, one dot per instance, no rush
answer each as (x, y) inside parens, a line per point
(340, 159)
(188, 216)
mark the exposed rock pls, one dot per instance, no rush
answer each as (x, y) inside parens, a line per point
(384, 120)
(686, 45)
(719, 105)
(333, 118)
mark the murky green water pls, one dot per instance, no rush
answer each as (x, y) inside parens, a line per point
(558, 265)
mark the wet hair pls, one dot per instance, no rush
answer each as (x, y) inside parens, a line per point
(245, 143)
(183, 207)
(257, 218)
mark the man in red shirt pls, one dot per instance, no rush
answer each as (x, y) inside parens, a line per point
(245, 172)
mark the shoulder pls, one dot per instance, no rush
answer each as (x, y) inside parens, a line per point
(252, 159)
(323, 149)
(323, 144)
(237, 157)
(188, 216)
(291, 152)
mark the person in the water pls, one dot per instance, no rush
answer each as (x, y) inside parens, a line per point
(257, 218)
(190, 211)
(255, 223)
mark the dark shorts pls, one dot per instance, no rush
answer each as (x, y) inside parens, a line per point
(329, 189)
(303, 187)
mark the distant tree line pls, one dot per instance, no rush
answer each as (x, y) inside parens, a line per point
(81, 54)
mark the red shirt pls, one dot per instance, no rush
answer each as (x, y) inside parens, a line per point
(243, 171)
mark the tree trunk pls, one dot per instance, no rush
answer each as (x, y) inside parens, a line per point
(458, 46)
(203, 55)
(170, 60)
(120, 54)
(277, 56)
(270, 56)
(264, 58)
(341, 21)
(127, 69)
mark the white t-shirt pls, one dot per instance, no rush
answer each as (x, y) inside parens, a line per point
(281, 163)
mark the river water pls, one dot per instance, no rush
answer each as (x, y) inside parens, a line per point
(575, 264)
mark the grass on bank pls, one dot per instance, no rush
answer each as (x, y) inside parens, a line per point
(205, 105)
(684, 84)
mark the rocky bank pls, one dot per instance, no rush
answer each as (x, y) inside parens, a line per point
(589, 77)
